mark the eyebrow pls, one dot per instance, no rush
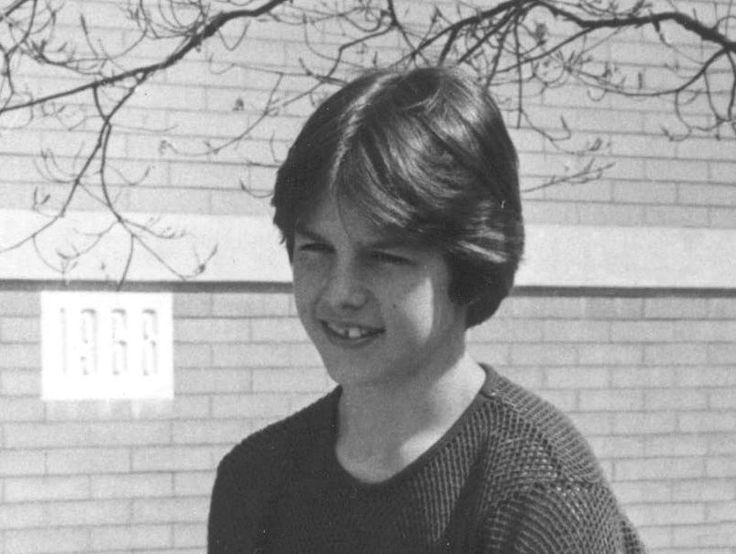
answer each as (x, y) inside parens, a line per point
(381, 243)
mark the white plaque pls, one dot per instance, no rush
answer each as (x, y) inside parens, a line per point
(106, 345)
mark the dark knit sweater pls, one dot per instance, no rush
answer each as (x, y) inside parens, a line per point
(511, 476)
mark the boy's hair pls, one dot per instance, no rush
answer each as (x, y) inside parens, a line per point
(425, 155)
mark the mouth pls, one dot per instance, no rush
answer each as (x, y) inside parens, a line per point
(351, 333)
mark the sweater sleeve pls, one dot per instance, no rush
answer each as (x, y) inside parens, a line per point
(234, 523)
(568, 518)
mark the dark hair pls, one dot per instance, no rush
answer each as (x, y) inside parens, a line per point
(425, 155)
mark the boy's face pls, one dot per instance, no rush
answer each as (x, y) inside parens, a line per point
(377, 310)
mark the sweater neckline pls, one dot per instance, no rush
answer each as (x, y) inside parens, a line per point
(346, 478)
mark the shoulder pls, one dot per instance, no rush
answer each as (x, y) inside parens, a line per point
(272, 449)
(533, 436)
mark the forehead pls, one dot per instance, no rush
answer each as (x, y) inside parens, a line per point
(331, 215)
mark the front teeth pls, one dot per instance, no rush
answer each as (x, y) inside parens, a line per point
(352, 333)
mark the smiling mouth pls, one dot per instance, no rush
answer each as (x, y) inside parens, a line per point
(350, 332)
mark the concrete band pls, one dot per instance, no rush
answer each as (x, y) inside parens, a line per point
(248, 250)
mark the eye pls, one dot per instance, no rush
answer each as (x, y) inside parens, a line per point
(389, 258)
(311, 246)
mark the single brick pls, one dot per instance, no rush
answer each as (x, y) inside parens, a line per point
(611, 214)
(577, 377)
(705, 376)
(208, 432)
(505, 330)
(262, 405)
(132, 485)
(289, 380)
(22, 516)
(642, 491)
(705, 538)
(667, 514)
(720, 467)
(278, 330)
(197, 381)
(190, 535)
(551, 354)
(251, 304)
(612, 447)
(35, 489)
(675, 399)
(676, 445)
(724, 308)
(564, 400)
(138, 537)
(20, 330)
(676, 354)
(610, 354)
(722, 443)
(193, 483)
(15, 382)
(642, 192)
(540, 307)
(645, 377)
(722, 398)
(707, 422)
(677, 216)
(724, 218)
(658, 468)
(576, 331)
(170, 200)
(593, 423)
(18, 302)
(170, 510)
(705, 331)
(529, 377)
(611, 400)
(89, 512)
(593, 191)
(183, 407)
(644, 423)
(252, 355)
(722, 172)
(212, 330)
(18, 356)
(170, 458)
(642, 331)
(192, 355)
(722, 511)
(48, 540)
(87, 410)
(701, 490)
(21, 462)
(722, 354)
(192, 304)
(21, 408)
(676, 170)
(675, 308)
(613, 308)
(711, 194)
(81, 461)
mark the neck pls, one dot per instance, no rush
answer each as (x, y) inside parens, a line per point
(381, 430)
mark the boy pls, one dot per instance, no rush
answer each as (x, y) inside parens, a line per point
(399, 206)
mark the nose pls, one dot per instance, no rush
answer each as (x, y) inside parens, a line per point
(345, 288)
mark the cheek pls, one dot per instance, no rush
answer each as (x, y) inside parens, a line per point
(307, 281)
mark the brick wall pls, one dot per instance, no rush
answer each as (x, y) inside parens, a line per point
(649, 380)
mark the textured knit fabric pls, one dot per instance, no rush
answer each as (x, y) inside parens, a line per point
(511, 476)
